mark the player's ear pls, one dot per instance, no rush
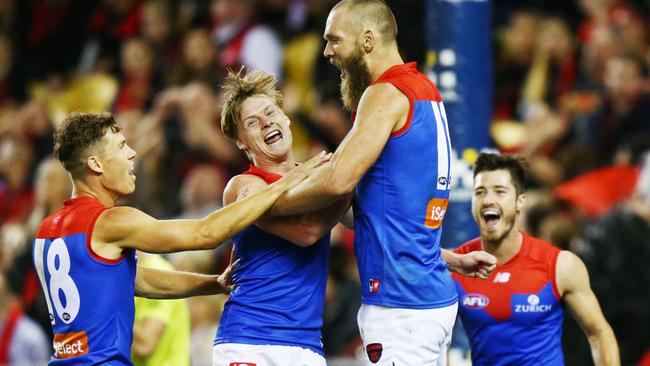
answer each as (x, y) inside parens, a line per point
(521, 202)
(94, 164)
(241, 145)
(368, 41)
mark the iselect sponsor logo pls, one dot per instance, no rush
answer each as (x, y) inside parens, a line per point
(68, 345)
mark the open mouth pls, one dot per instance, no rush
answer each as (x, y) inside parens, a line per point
(132, 172)
(273, 137)
(491, 217)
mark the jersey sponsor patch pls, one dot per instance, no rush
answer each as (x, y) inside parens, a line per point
(475, 301)
(436, 210)
(374, 285)
(374, 351)
(532, 305)
(67, 345)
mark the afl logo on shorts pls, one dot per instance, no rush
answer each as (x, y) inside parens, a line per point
(374, 285)
(374, 352)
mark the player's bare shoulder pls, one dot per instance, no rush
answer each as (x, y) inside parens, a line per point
(241, 186)
(570, 272)
(384, 100)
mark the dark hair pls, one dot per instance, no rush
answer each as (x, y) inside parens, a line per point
(517, 165)
(76, 134)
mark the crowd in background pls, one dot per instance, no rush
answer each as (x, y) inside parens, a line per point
(572, 94)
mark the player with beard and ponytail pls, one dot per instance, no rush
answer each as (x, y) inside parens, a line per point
(397, 157)
(515, 317)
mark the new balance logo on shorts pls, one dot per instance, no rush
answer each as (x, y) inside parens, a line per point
(374, 351)
(374, 285)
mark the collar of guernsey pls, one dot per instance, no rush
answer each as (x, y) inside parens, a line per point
(393, 71)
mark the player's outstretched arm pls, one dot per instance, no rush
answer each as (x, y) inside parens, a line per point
(127, 227)
(302, 229)
(381, 109)
(162, 284)
(477, 264)
(573, 283)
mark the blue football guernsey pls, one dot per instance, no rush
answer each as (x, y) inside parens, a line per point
(89, 298)
(280, 289)
(401, 201)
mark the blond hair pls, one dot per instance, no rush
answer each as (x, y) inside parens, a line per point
(240, 86)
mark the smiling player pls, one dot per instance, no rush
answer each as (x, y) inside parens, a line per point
(515, 317)
(274, 317)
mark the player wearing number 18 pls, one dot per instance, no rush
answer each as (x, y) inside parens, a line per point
(84, 253)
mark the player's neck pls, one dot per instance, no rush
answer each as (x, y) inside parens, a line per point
(84, 189)
(382, 61)
(505, 248)
(276, 167)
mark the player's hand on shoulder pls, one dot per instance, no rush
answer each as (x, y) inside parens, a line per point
(478, 264)
(304, 170)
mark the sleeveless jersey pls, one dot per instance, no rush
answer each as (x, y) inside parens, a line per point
(280, 289)
(401, 201)
(515, 316)
(89, 298)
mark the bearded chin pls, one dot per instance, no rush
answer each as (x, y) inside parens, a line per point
(357, 79)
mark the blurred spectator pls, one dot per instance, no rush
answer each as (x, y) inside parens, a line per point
(161, 331)
(553, 70)
(159, 28)
(615, 250)
(138, 81)
(113, 22)
(202, 191)
(513, 54)
(198, 62)
(22, 341)
(16, 194)
(7, 89)
(242, 40)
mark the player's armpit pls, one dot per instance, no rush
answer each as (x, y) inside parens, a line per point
(572, 281)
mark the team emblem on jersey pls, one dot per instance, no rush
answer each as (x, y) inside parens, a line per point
(373, 284)
(475, 301)
(374, 351)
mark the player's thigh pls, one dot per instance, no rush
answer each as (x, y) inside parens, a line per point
(404, 337)
(233, 354)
